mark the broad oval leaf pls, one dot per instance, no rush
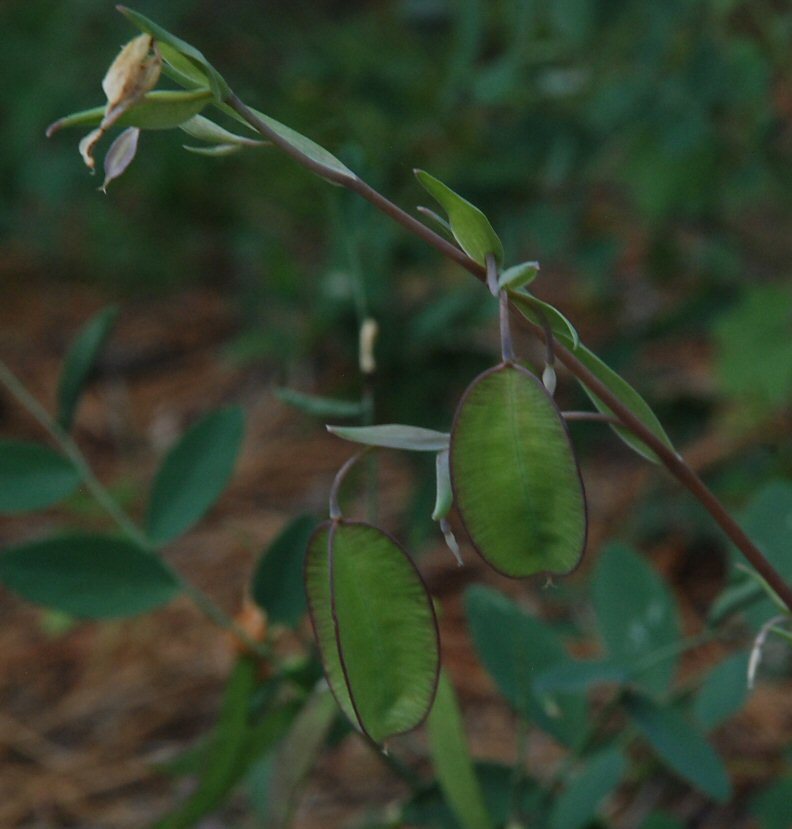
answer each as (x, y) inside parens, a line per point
(196, 59)
(194, 474)
(471, 228)
(637, 616)
(517, 649)
(577, 806)
(79, 362)
(394, 436)
(375, 626)
(33, 476)
(91, 576)
(680, 745)
(277, 580)
(516, 482)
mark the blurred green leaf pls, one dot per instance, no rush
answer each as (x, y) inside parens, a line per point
(723, 693)
(277, 580)
(394, 436)
(680, 745)
(33, 476)
(471, 228)
(579, 676)
(90, 576)
(79, 362)
(515, 649)
(660, 820)
(771, 807)
(637, 616)
(582, 797)
(320, 406)
(516, 482)
(451, 759)
(375, 626)
(194, 473)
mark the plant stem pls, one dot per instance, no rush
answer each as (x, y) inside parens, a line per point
(105, 500)
(673, 462)
(591, 417)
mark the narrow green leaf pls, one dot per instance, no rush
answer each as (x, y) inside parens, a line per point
(445, 496)
(33, 476)
(194, 473)
(451, 759)
(317, 154)
(219, 87)
(221, 767)
(93, 577)
(516, 649)
(277, 579)
(394, 436)
(637, 615)
(215, 151)
(471, 228)
(375, 626)
(320, 406)
(533, 309)
(723, 693)
(680, 745)
(296, 756)
(516, 482)
(79, 362)
(519, 276)
(582, 798)
(158, 110)
(207, 130)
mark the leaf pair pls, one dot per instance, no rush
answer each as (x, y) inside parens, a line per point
(375, 627)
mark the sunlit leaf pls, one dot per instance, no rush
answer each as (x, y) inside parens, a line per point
(93, 577)
(277, 580)
(519, 276)
(33, 476)
(79, 362)
(516, 482)
(471, 228)
(375, 626)
(194, 474)
(394, 436)
(680, 745)
(583, 795)
(637, 616)
(452, 762)
(158, 110)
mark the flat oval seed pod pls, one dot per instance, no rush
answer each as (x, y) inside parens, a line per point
(375, 627)
(516, 482)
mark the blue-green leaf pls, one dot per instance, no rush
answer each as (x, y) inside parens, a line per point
(637, 616)
(278, 577)
(723, 693)
(515, 649)
(194, 474)
(471, 228)
(681, 746)
(33, 476)
(582, 797)
(93, 577)
(79, 362)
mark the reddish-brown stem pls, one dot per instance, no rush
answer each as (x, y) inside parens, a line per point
(673, 462)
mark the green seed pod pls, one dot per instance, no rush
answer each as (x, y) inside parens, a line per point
(516, 481)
